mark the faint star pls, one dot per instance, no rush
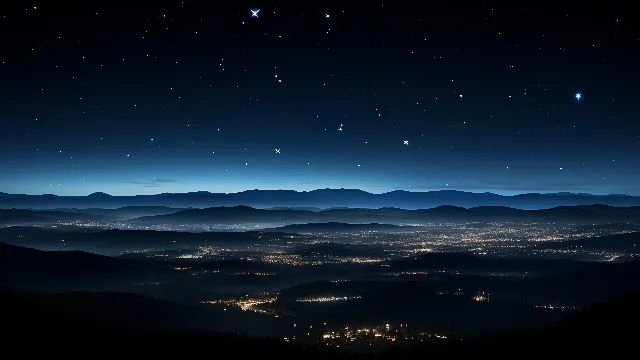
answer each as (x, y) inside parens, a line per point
(254, 13)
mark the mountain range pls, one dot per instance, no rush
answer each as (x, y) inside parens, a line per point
(585, 214)
(327, 220)
(321, 198)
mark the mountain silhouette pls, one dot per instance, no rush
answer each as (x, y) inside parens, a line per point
(332, 227)
(243, 214)
(321, 198)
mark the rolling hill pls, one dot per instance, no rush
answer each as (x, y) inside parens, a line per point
(336, 227)
(25, 268)
(628, 243)
(244, 215)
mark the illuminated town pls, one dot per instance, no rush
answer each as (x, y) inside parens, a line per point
(304, 278)
(364, 337)
(482, 239)
(329, 299)
(248, 302)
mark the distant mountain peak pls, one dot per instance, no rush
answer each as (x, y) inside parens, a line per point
(99, 194)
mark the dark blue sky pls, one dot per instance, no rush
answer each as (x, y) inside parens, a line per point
(186, 96)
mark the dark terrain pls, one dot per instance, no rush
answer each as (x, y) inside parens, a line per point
(56, 318)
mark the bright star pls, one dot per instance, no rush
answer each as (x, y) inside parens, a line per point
(277, 151)
(578, 96)
(406, 142)
(254, 12)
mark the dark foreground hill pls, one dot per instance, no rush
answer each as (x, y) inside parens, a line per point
(70, 325)
(606, 327)
(26, 268)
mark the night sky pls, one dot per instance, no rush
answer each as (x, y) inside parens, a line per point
(201, 96)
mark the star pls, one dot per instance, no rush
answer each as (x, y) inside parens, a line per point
(406, 142)
(277, 151)
(578, 96)
(254, 13)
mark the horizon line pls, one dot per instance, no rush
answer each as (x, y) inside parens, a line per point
(338, 189)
